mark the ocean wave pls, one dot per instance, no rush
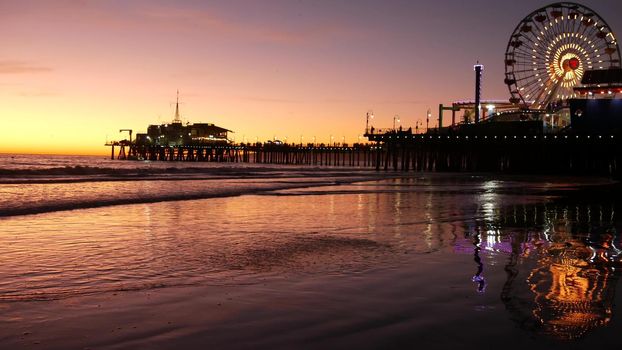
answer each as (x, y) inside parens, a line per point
(89, 170)
(80, 173)
(98, 199)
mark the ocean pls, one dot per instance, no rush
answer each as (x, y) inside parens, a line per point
(99, 253)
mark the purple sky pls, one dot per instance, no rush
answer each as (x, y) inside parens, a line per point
(260, 68)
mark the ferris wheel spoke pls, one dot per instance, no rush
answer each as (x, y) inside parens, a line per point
(535, 38)
(533, 84)
(526, 55)
(544, 34)
(532, 93)
(529, 54)
(526, 59)
(529, 70)
(568, 24)
(530, 78)
(591, 31)
(548, 91)
(585, 30)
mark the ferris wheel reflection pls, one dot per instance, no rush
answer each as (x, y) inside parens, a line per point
(562, 269)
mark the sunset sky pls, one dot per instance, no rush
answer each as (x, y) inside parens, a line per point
(72, 73)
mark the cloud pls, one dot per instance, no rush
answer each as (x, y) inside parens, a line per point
(153, 17)
(192, 19)
(21, 67)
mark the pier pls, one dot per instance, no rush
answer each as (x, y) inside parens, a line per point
(594, 154)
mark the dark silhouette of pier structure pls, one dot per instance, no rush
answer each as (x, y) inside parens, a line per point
(402, 150)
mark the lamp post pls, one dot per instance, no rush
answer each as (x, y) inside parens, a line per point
(331, 140)
(370, 115)
(427, 120)
(301, 137)
(395, 118)
(313, 141)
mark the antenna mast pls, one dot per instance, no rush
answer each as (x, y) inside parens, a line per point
(177, 119)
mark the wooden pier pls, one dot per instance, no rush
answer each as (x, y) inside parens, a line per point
(532, 154)
(596, 154)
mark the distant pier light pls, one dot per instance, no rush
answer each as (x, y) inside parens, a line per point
(369, 115)
(396, 118)
(427, 120)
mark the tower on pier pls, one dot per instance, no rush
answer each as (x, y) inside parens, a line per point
(478, 90)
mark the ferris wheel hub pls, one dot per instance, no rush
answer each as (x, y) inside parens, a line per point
(571, 64)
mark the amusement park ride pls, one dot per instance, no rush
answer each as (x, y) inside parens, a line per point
(551, 50)
(562, 68)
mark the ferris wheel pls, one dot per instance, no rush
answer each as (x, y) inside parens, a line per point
(551, 49)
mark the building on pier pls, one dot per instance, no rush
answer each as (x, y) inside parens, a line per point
(176, 134)
(599, 110)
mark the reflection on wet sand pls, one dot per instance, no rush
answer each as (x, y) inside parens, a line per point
(573, 293)
(562, 269)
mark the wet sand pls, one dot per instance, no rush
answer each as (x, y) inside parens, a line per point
(370, 311)
(383, 264)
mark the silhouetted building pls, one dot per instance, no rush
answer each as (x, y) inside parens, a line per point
(177, 134)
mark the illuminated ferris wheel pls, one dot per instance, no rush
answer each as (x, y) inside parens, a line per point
(551, 49)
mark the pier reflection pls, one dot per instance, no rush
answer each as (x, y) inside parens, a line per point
(563, 265)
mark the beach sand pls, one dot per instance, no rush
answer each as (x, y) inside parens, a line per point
(381, 264)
